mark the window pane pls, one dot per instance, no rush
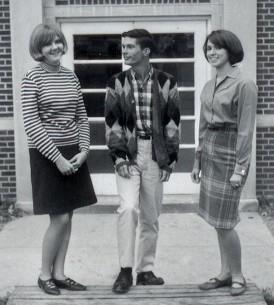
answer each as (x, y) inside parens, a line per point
(185, 160)
(95, 76)
(187, 132)
(174, 46)
(99, 161)
(95, 104)
(183, 72)
(97, 133)
(186, 103)
(97, 46)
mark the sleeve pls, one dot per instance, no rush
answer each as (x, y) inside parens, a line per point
(115, 135)
(82, 122)
(32, 122)
(246, 116)
(172, 124)
(202, 131)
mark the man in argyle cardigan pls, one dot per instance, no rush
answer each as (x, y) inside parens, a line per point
(142, 133)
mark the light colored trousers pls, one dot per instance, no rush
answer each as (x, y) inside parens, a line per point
(141, 198)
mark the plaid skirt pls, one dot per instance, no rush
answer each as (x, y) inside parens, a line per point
(219, 202)
(54, 193)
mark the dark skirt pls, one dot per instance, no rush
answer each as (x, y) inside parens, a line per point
(219, 202)
(54, 193)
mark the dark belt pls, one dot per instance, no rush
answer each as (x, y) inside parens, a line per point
(221, 127)
(146, 137)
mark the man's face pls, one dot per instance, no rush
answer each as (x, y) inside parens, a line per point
(132, 52)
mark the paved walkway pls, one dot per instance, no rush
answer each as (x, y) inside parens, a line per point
(187, 250)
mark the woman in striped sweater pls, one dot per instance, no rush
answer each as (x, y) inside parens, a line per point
(58, 136)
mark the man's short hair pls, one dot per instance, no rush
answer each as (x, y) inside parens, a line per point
(228, 41)
(143, 37)
(43, 35)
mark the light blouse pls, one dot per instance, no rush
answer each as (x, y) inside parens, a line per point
(232, 102)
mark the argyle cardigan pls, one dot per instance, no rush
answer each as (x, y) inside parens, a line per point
(120, 118)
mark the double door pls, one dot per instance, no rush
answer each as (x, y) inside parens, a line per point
(94, 54)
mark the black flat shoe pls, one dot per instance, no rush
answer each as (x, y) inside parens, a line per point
(215, 283)
(123, 282)
(148, 278)
(69, 284)
(48, 286)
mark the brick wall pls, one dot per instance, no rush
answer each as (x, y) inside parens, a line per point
(6, 99)
(265, 82)
(7, 165)
(7, 151)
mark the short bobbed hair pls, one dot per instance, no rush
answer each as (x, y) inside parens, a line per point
(143, 37)
(228, 41)
(43, 35)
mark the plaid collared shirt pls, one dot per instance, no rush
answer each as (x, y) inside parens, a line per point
(143, 98)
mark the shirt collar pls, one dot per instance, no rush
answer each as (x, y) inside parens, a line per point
(234, 72)
(150, 73)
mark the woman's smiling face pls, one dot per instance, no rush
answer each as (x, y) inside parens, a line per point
(53, 52)
(216, 56)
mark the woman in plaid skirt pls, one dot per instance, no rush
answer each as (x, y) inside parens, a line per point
(228, 111)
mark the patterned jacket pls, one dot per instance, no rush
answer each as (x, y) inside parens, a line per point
(120, 118)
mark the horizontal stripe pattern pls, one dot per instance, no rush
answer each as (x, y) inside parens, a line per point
(53, 111)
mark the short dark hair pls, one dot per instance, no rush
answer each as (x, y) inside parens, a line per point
(228, 41)
(143, 37)
(42, 35)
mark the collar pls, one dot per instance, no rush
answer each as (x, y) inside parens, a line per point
(150, 73)
(50, 68)
(233, 73)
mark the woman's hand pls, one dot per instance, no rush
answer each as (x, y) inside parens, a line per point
(64, 166)
(236, 180)
(78, 160)
(195, 175)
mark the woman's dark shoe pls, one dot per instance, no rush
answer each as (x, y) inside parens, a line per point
(148, 278)
(69, 284)
(215, 283)
(238, 290)
(48, 286)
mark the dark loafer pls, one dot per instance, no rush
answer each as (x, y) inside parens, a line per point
(48, 286)
(215, 283)
(69, 284)
(238, 290)
(148, 278)
(123, 282)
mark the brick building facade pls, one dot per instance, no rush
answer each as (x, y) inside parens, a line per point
(7, 147)
(265, 81)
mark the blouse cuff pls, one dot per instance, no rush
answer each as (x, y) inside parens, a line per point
(86, 151)
(240, 170)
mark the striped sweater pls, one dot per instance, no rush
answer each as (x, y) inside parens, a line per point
(53, 111)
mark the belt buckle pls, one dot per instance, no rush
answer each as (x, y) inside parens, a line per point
(145, 137)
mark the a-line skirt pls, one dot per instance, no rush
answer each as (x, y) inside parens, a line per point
(54, 193)
(219, 202)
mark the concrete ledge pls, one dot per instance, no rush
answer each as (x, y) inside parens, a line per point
(171, 204)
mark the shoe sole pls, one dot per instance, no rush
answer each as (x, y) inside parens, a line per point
(146, 284)
(122, 291)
